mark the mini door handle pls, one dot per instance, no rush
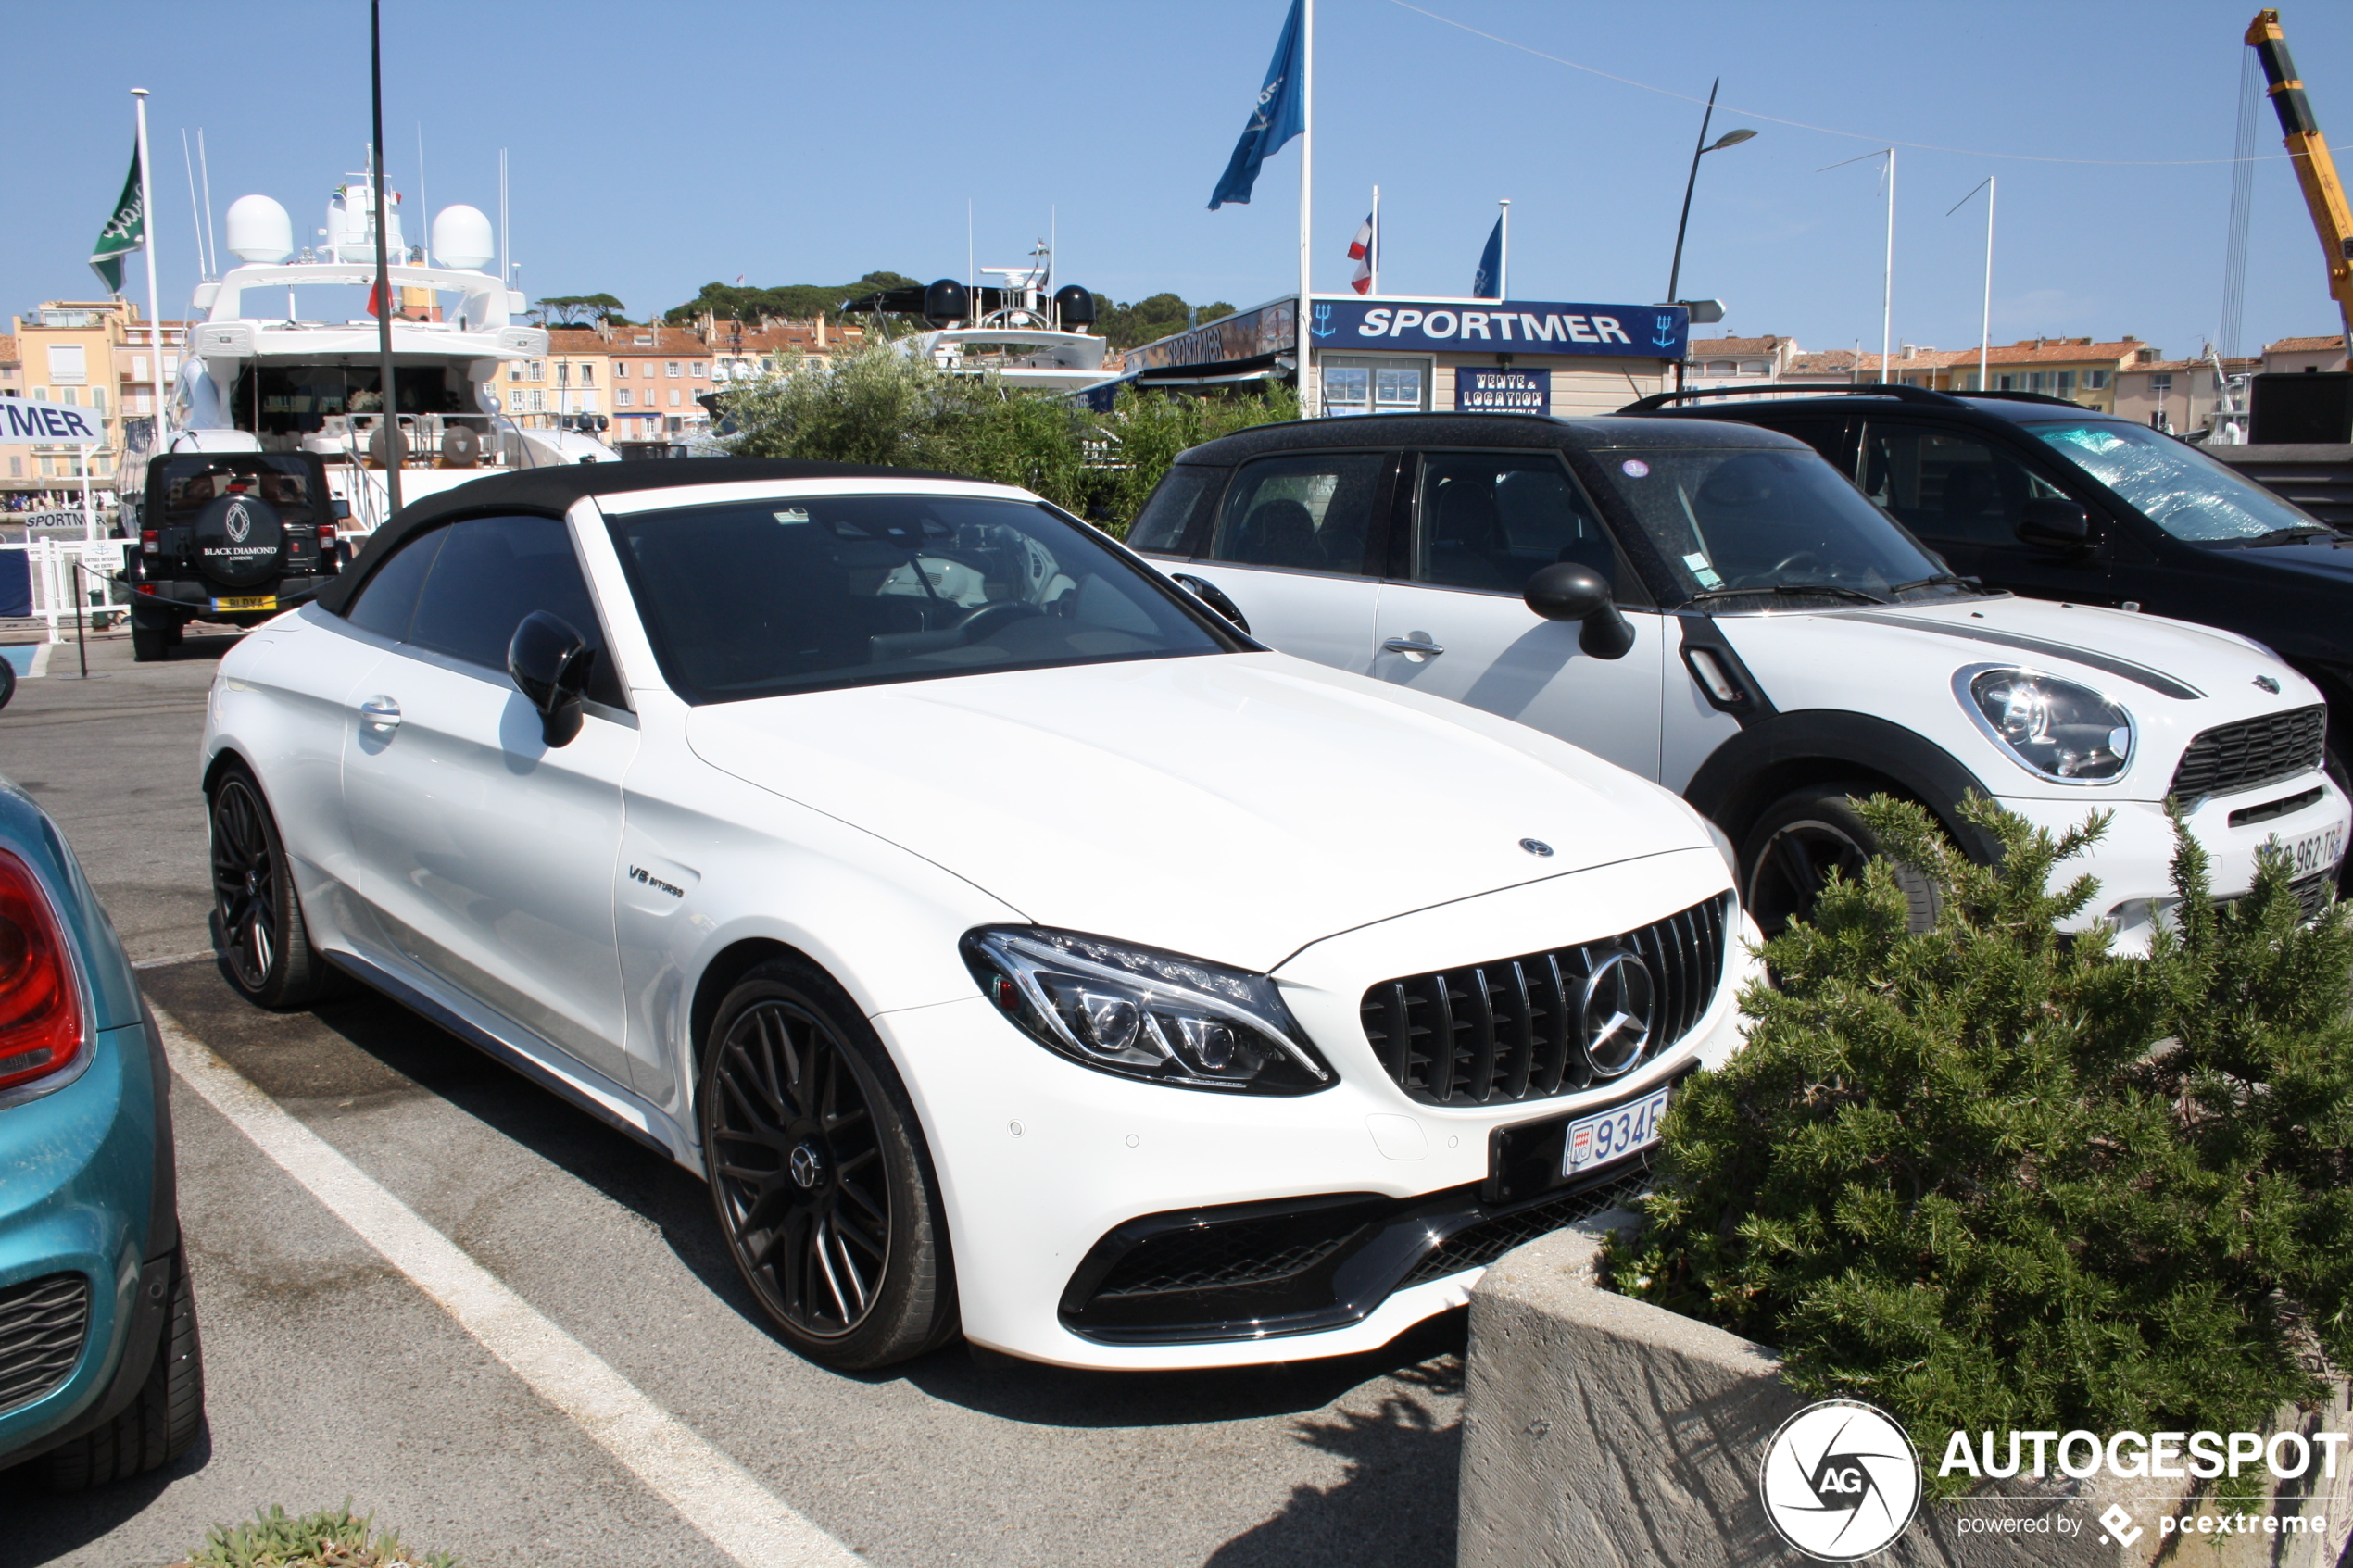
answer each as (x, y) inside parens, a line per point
(382, 713)
(1412, 644)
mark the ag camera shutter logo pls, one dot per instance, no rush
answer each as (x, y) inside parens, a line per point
(1840, 1481)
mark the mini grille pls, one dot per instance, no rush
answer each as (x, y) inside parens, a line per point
(42, 1322)
(2260, 751)
(1475, 1247)
(1215, 1257)
(1506, 1030)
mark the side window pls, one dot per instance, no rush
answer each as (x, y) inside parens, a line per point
(1948, 486)
(1313, 512)
(1166, 522)
(1490, 520)
(492, 572)
(387, 601)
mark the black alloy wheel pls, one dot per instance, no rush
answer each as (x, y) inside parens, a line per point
(1801, 841)
(820, 1178)
(258, 929)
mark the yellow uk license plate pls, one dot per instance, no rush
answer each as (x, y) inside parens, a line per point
(264, 601)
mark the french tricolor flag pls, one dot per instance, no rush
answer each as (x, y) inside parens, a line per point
(1360, 251)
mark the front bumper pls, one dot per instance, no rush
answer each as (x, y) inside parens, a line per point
(1040, 1160)
(75, 1211)
(2134, 861)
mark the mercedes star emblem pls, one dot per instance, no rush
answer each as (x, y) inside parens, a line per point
(1616, 1012)
(808, 1165)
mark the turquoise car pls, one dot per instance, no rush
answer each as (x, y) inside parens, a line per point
(100, 1372)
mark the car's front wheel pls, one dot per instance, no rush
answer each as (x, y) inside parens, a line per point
(820, 1176)
(257, 927)
(1799, 840)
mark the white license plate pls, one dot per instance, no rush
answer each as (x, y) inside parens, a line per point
(2315, 851)
(1612, 1135)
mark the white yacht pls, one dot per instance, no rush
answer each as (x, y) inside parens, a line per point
(1027, 332)
(254, 380)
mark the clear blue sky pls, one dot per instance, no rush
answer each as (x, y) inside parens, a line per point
(653, 148)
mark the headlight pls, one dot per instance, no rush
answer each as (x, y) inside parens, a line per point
(2054, 729)
(1142, 1013)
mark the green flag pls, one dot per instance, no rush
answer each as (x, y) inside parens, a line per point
(124, 233)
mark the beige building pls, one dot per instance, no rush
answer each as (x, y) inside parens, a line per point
(2305, 354)
(2176, 395)
(1739, 361)
(90, 353)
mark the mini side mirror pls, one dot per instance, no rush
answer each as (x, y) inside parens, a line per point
(1565, 591)
(549, 663)
(2051, 524)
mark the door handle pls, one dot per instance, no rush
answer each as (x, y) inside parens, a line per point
(1420, 644)
(380, 712)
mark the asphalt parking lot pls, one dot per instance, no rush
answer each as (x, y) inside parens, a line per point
(330, 1374)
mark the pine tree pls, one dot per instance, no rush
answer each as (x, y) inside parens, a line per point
(1990, 1175)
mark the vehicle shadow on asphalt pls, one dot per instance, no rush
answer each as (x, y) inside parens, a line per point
(1404, 1448)
(39, 1525)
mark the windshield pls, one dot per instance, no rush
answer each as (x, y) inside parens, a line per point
(1782, 525)
(2175, 487)
(765, 597)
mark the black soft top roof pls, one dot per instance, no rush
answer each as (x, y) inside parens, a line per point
(551, 491)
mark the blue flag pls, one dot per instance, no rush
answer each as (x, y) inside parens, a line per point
(1279, 114)
(1487, 282)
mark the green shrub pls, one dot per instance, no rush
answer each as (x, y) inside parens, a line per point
(1990, 1177)
(879, 406)
(331, 1538)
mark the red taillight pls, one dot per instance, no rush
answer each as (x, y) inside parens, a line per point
(40, 1008)
(148, 542)
(326, 534)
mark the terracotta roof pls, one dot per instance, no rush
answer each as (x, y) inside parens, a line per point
(2062, 351)
(2249, 362)
(2306, 345)
(1710, 347)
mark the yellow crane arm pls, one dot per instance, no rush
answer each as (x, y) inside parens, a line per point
(2315, 171)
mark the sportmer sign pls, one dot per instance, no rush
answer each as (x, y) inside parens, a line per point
(1500, 326)
(50, 423)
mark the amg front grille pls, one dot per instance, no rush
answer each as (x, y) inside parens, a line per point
(2247, 756)
(42, 1324)
(1513, 1029)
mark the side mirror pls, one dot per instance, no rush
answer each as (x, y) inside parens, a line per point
(549, 663)
(1565, 591)
(1209, 594)
(2051, 524)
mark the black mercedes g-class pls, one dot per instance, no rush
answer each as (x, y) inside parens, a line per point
(227, 537)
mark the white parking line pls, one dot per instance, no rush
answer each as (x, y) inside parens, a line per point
(169, 959)
(713, 1492)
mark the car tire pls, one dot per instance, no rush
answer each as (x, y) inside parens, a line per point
(7, 681)
(162, 1419)
(1793, 848)
(257, 928)
(819, 1173)
(149, 644)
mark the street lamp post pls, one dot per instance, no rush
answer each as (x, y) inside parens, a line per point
(1729, 139)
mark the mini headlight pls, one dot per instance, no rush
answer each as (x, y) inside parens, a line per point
(2055, 729)
(1140, 1012)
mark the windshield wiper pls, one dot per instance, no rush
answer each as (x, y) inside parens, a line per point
(1940, 578)
(1835, 590)
(2294, 536)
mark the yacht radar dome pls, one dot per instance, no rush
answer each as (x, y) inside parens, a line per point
(1073, 308)
(947, 301)
(259, 231)
(462, 237)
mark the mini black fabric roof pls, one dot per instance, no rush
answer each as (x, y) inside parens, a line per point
(551, 491)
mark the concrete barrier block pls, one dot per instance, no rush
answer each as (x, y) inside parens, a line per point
(1601, 1432)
